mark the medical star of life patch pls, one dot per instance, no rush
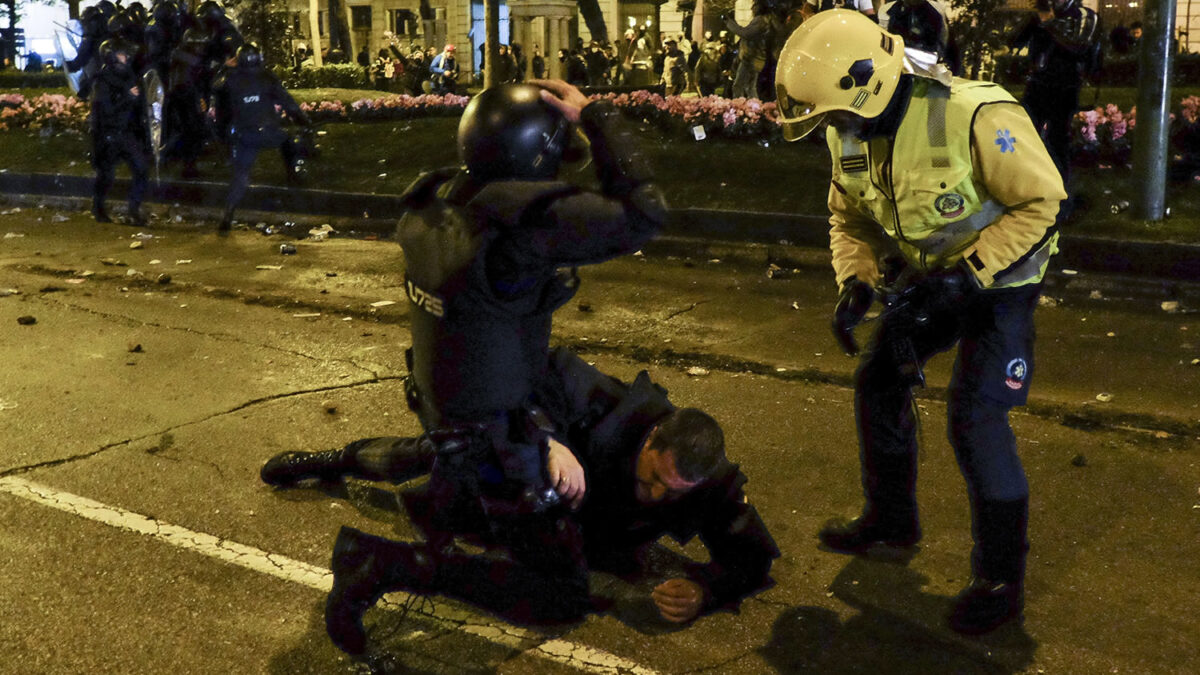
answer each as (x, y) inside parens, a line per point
(1005, 140)
(854, 163)
(1015, 374)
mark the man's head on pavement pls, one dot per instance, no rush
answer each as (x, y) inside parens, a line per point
(683, 451)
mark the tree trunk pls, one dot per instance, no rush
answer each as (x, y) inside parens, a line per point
(594, 18)
(339, 30)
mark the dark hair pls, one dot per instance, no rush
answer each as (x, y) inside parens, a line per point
(695, 441)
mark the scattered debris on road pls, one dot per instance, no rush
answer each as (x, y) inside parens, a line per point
(26, 320)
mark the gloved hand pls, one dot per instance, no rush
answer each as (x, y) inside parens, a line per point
(852, 306)
(947, 288)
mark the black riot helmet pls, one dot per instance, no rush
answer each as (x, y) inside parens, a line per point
(249, 56)
(509, 132)
(209, 14)
(110, 50)
(107, 9)
(136, 13)
(120, 24)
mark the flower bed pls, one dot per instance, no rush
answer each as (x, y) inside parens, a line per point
(1101, 137)
(390, 107)
(47, 111)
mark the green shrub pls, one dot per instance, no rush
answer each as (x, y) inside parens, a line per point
(340, 76)
(18, 79)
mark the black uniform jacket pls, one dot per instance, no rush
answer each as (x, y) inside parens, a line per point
(611, 421)
(116, 110)
(246, 100)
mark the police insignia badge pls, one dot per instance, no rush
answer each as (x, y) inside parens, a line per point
(950, 205)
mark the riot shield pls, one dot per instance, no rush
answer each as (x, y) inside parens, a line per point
(153, 88)
(73, 78)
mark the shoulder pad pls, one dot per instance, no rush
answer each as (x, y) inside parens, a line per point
(424, 188)
(509, 201)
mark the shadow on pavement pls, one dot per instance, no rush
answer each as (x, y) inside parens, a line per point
(899, 630)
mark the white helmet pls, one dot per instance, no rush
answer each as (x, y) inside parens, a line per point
(837, 60)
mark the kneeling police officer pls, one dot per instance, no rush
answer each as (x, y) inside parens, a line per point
(490, 252)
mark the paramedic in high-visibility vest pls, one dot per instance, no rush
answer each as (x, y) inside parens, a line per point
(943, 204)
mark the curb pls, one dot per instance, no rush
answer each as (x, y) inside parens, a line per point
(768, 234)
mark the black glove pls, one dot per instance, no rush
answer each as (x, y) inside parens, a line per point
(947, 288)
(852, 306)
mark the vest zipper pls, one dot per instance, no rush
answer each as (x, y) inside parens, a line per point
(892, 190)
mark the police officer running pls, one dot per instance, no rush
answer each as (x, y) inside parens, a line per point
(246, 100)
(948, 180)
(490, 253)
(118, 130)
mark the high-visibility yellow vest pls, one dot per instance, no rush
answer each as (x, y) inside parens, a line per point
(920, 187)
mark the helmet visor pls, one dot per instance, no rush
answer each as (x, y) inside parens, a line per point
(797, 118)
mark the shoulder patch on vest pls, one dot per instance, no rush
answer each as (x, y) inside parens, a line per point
(854, 163)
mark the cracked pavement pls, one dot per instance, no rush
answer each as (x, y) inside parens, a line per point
(164, 399)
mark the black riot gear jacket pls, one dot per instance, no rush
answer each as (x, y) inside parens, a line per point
(245, 102)
(485, 269)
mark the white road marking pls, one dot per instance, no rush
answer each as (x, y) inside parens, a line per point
(580, 657)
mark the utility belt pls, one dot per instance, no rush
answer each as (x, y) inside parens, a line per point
(500, 461)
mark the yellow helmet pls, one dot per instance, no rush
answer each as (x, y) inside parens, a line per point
(837, 60)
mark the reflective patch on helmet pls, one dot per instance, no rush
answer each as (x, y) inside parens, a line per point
(887, 44)
(1015, 373)
(950, 204)
(854, 163)
(860, 99)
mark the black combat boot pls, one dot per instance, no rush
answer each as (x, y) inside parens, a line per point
(364, 568)
(135, 217)
(890, 515)
(288, 468)
(99, 212)
(996, 593)
(884, 526)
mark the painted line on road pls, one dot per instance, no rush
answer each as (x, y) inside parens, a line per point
(580, 657)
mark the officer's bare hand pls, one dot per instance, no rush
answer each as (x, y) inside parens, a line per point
(678, 600)
(565, 97)
(134, 91)
(566, 474)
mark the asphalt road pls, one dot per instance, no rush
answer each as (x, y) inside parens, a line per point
(135, 536)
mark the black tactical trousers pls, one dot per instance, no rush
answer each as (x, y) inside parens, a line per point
(993, 370)
(107, 153)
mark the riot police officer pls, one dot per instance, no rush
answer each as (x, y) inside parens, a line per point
(490, 253)
(163, 33)
(947, 179)
(246, 98)
(95, 32)
(185, 126)
(118, 129)
(1065, 47)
